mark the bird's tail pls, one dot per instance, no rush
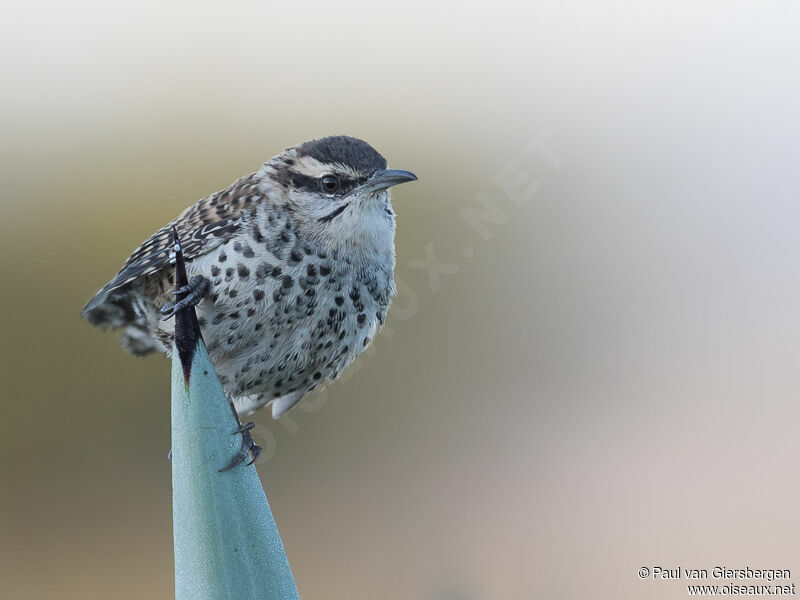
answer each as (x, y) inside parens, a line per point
(108, 309)
(120, 308)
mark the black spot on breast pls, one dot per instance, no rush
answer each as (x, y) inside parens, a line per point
(258, 294)
(339, 300)
(263, 270)
(243, 271)
(215, 270)
(276, 247)
(255, 233)
(358, 304)
(223, 257)
(288, 281)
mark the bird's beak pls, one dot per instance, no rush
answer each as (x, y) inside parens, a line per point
(387, 178)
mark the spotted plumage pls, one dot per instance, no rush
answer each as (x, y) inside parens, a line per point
(299, 260)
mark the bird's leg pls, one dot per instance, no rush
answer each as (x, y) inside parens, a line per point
(249, 447)
(194, 290)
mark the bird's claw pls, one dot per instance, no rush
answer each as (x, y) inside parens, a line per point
(248, 448)
(194, 290)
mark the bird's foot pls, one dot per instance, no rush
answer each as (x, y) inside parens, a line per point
(194, 290)
(249, 447)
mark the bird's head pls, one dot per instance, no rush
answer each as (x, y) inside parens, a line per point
(337, 188)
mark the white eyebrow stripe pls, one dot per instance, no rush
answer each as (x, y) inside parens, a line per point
(311, 167)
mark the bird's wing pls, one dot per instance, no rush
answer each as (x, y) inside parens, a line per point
(202, 227)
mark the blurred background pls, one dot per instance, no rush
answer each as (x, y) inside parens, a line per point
(592, 365)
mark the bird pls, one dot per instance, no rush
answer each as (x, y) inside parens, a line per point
(291, 272)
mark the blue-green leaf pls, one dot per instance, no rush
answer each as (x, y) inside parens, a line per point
(226, 541)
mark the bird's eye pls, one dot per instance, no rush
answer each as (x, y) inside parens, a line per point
(329, 184)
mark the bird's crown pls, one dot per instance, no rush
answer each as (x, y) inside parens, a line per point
(332, 165)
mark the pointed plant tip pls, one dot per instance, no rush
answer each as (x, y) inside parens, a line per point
(187, 328)
(180, 265)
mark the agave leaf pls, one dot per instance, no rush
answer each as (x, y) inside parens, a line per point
(227, 544)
